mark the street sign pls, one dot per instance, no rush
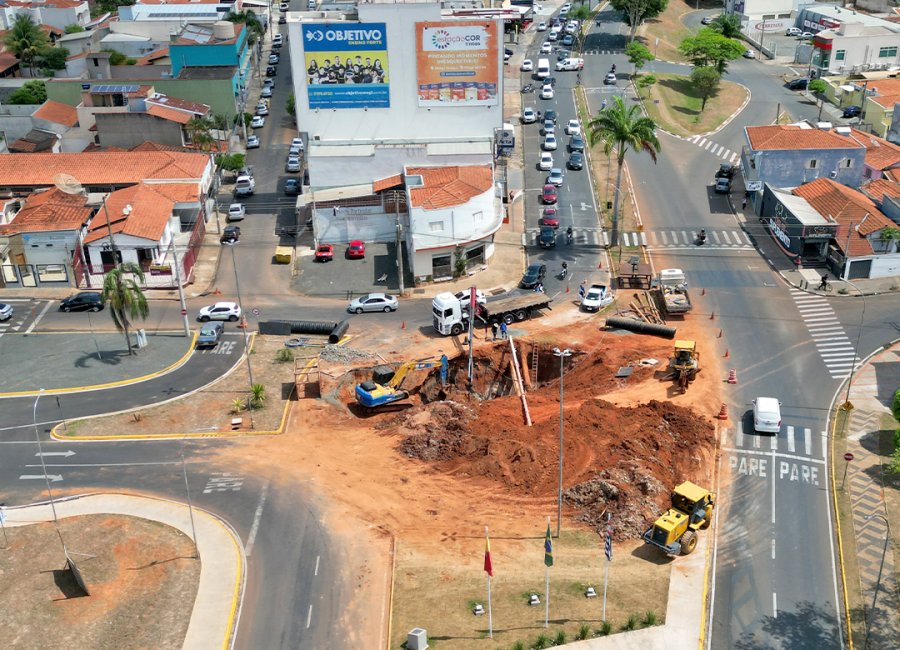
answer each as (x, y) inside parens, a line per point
(184, 312)
(848, 456)
(255, 311)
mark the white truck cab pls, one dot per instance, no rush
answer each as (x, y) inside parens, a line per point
(448, 314)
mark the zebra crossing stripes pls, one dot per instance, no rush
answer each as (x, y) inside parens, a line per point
(832, 343)
(791, 440)
(580, 237)
(652, 239)
(601, 52)
(716, 149)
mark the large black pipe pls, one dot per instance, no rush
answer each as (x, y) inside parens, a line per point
(640, 327)
(338, 331)
(284, 327)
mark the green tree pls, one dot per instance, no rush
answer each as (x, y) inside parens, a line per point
(895, 405)
(891, 235)
(101, 7)
(26, 40)
(231, 162)
(639, 55)
(198, 130)
(619, 127)
(580, 13)
(646, 81)
(705, 80)
(116, 57)
(710, 48)
(54, 58)
(818, 87)
(250, 19)
(123, 295)
(31, 92)
(637, 11)
(74, 28)
(291, 105)
(727, 26)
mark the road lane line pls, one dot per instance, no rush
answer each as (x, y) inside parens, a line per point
(753, 452)
(316, 572)
(739, 435)
(257, 517)
(774, 443)
(790, 439)
(308, 616)
(159, 462)
(773, 549)
(807, 439)
(40, 316)
(756, 441)
(774, 606)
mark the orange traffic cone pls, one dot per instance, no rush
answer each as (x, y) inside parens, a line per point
(403, 325)
(726, 353)
(732, 376)
(243, 323)
(723, 412)
(712, 315)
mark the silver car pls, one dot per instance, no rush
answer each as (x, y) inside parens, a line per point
(6, 311)
(292, 164)
(373, 302)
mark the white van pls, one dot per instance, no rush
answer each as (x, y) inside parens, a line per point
(767, 414)
(570, 64)
(543, 68)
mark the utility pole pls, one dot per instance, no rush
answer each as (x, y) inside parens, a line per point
(187, 327)
(399, 240)
(237, 284)
(562, 354)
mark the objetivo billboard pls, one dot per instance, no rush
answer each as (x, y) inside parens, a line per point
(346, 65)
(456, 63)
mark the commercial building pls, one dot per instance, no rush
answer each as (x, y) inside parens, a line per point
(848, 42)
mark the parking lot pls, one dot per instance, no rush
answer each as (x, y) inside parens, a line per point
(346, 278)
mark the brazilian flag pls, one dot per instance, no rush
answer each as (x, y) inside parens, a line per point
(548, 548)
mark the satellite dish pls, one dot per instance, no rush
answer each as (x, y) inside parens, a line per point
(68, 184)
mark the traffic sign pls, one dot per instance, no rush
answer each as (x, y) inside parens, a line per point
(255, 311)
(184, 312)
(848, 456)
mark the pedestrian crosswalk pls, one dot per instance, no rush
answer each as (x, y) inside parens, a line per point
(716, 149)
(791, 441)
(601, 52)
(653, 239)
(832, 342)
(580, 237)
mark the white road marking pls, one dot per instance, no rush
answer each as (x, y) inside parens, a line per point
(774, 605)
(753, 452)
(807, 439)
(309, 616)
(40, 316)
(257, 517)
(316, 572)
(790, 439)
(773, 549)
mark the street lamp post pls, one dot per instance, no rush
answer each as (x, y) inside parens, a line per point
(237, 284)
(847, 406)
(562, 354)
(887, 541)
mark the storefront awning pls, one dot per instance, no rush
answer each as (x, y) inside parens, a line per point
(334, 194)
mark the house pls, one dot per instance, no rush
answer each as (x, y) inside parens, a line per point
(847, 41)
(881, 156)
(36, 141)
(220, 44)
(56, 14)
(156, 117)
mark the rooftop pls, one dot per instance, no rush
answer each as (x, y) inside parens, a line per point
(34, 141)
(880, 154)
(795, 136)
(877, 190)
(445, 187)
(53, 111)
(843, 15)
(48, 210)
(142, 210)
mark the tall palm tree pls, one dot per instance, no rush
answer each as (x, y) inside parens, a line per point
(26, 40)
(198, 129)
(125, 298)
(619, 128)
(251, 20)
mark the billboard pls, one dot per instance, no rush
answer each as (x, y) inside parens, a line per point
(346, 65)
(457, 63)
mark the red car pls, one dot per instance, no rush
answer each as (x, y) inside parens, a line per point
(550, 194)
(356, 250)
(324, 253)
(550, 218)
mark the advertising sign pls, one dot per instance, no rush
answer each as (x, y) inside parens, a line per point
(456, 63)
(346, 65)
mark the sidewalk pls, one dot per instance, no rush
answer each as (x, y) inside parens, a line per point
(222, 560)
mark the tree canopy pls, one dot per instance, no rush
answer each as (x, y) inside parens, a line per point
(727, 26)
(709, 48)
(26, 40)
(31, 92)
(706, 81)
(638, 54)
(637, 11)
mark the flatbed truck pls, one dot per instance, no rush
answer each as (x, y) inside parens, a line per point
(450, 315)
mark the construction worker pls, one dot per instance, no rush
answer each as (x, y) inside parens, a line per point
(503, 332)
(494, 329)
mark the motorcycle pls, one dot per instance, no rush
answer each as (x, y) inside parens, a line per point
(528, 88)
(701, 238)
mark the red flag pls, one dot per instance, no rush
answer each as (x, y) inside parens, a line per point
(488, 566)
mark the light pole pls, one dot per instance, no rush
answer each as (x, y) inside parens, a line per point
(37, 439)
(562, 354)
(847, 405)
(887, 541)
(237, 284)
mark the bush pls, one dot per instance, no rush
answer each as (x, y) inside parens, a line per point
(560, 638)
(257, 396)
(284, 355)
(543, 641)
(649, 619)
(605, 629)
(584, 631)
(631, 623)
(518, 645)
(895, 406)
(31, 92)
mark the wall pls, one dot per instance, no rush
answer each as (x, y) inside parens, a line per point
(60, 18)
(15, 120)
(789, 168)
(130, 46)
(211, 54)
(461, 223)
(405, 119)
(861, 52)
(368, 223)
(883, 266)
(49, 247)
(127, 130)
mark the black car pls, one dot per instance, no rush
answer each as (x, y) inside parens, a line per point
(271, 71)
(230, 235)
(576, 160)
(533, 274)
(726, 170)
(292, 187)
(562, 55)
(282, 19)
(549, 81)
(547, 238)
(852, 111)
(576, 143)
(550, 115)
(798, 84)
(85, 301)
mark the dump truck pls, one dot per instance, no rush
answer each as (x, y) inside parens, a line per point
(385, 386)
(451, 315)
(673, 291)
(676, 530)
(685, 363)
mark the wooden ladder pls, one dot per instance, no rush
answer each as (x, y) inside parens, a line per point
(534, 363)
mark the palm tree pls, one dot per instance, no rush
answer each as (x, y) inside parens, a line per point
(125, 298)
(619, 128)
(251, 20)
(26, 40)
(198, 130)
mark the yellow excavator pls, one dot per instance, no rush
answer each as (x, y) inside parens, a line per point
(676, 529)
(385, 385)
(685, 363)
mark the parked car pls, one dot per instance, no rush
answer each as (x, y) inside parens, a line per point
(209, 335)
(527, 65)
(798, 84)
(324, 253)
(596, 298)
(547, 92)
(6, 311)
(610, 79)
(268, 83)
(576, 143)
(546, 163)
(291, 187)
(726, 170)
(252, 142)
(295, 150)
(550, 143)
(271, 71)
(528, 115)
(573, 128)
(84, 301)
(356, 249)
(373, 302)
(236, 212)
(282, 19)
(793, 31)
(230, 235)
(806, 36)
(274, 59)
(549, 217)
(576, 160)
(749, 54)
(723, 185)
(262, 110)
(292, 164)
(555, 177)
(533, 274)
(547, 238)
(550, 195)
(852, 111)
(220, 311)
(258, 122)
(284, 6)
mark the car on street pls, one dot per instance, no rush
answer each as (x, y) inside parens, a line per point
(236, 212)
(576, 143)
(726, 170)
(553, 36)
(356, 249)
(220, 311)
(507, 53)
(707, 20)
(230, 235)
(266, 92)
(549, 217)
(767, 415)
(573, 128)
(373, 302)
(793, 31)
(291, 187)
(292, 164)
(297, 142)
(527, 65)
(268, 83)
(282, 19)
(555, 177)
(466, 296)
(550, 195)
(547, 238)
(252, 142)
(547, 92)
(749, 54)
(258, 122)
(805, 36)
(550, 114)
(542, 26)
(209, 335)
(244, 185)
(546, 163)
(596, 298)
(723, 185)
(546, 48)
(6, 311)
(271, 71)
(548, 127)
(550, 143)
(568, 40)
(533, 274)
(798, 84)
(324, 253)
(576, 160)
(84, 301)
(610, 79)
(852, 111)
(528, 115)
(562, 55)
(262, 110)
(274, 59)
(284, 6)
(295, 150)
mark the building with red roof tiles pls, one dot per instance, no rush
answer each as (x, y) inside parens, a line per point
(54, 15)
(881, 155)
(57, 113)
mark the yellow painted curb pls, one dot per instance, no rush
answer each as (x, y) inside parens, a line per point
(837, 525)
(113, 384)
(236, 596)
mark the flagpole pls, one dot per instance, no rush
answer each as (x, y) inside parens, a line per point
(605, 582)
(547, 589)
(490, 613)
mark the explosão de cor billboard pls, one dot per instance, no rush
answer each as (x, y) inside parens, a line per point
(457, 63)
(346, 65)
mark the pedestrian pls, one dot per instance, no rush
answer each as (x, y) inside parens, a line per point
(581, 291)
(744, 203)
(503, 333)
(494, 328)
(539, 288)
(823, 285)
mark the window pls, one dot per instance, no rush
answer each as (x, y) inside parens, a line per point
(848, 163)
(887, 52)
(436, 226)
(812, 163)
(839, 55)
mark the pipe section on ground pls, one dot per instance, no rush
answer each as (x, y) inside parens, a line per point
(640, 327)
(338, 331)
(285, 327)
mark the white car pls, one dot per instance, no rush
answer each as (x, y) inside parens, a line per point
(6, 311)
(292, 164)
(547, 92)
(542, 26)
(546, 48)
(805, 36)
(610, 79)
(527, 65)
(373, 302)
(556, 177)
(252, 142)
(220, 311)
(767, 414)
(269, 83)
(262, 110)
(283, 6)
(596, 298)
(295, 151)
(297, 142)
(546, 163)
(573, 128)
(793, 31)
(466, 296)
(258, 122)
(236, 212)
(529, 116)
(565, 8)
(549, 142)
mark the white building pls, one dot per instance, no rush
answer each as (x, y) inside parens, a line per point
(53, 13)
(854, 47)
(761, 17)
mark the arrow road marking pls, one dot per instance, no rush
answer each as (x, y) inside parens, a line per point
(52, 477)
(56, 453)
(585, 206)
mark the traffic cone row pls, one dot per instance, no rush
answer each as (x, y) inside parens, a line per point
(723, 412)
(732, 376)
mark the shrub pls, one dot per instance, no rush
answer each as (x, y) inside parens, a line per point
(543, 641)
(237, 405)
(584, 631)
(560, 638)
(631, 623)
(518, 645)
(605, 629)
(284, 355)
(649, 619)
(257, 396)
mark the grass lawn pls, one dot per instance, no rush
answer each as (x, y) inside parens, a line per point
(670, 30)
(675, 107)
